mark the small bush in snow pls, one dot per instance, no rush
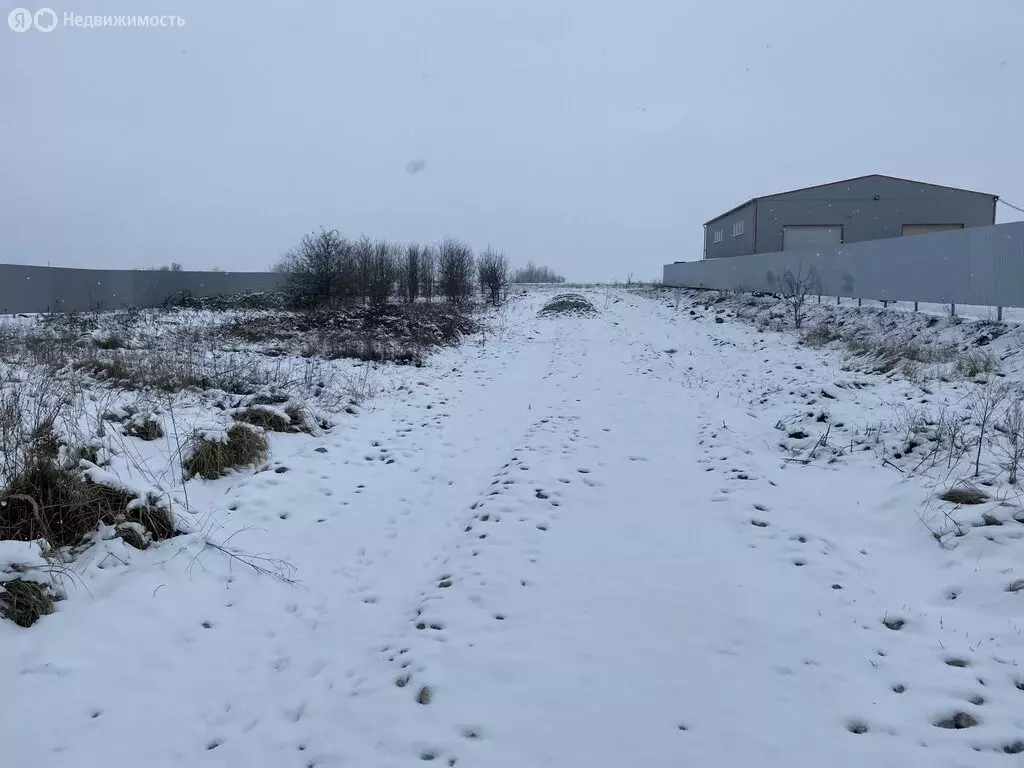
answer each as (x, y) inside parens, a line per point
(973, 364)
(1012, 430)
(795, 287)
(493, 272)
(455, 270)
(213, 455)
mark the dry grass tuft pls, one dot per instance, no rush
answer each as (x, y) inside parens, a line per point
(265, 417)
(965, 494)
(821, 335)
(25, 602)
(144, 428)
(245, 447)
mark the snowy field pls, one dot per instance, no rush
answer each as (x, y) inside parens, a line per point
(669, 534)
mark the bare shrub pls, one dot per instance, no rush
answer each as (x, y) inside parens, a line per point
(211, 457)
(383, 273)
(985, 404)
(973, 364)
(1012, 429)
(493, 270)
(315, 268)
(455, 270)
(795, 287)
(531, 273)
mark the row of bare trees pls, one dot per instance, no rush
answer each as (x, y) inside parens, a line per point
(329, 269)
(532, 273)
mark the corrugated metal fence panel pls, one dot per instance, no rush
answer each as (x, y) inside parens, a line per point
(51, 289)
(981, 266)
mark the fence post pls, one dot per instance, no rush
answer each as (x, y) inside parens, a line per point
(837, 300)
(885, 304)
(860, 302)
(819, 298)
(999, 314)
(915, 306)
(952, 310)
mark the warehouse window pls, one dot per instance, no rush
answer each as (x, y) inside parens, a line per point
(737, 229)
(718, 235)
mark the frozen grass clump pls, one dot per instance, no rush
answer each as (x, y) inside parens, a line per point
(573, 304)
(215, 452)
(25, 602)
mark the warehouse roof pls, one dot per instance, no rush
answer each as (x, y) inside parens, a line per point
(843, 181)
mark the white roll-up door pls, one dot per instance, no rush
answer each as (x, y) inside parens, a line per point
(809, 238)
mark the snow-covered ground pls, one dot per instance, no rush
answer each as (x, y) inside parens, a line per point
(655, 537)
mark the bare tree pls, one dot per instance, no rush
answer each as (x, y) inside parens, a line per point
(987, 400)
(347, 280)
(428, 273)
(795, 288)
(362, 260)
(383, 273)
(1013, 436)
(492, 267)
(410, 277)
(455, 270)
(312, 268)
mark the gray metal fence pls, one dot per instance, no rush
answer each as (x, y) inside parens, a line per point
(981, 266)
(55, 289)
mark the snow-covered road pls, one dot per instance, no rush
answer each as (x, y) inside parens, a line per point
(575, 542)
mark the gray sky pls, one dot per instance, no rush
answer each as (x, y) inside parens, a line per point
(594, 136)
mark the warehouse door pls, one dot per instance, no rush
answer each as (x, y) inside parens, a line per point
(925, 229)
(801, 238)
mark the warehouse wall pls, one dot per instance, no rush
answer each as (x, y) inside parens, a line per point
(982, 266)
(853, 206)
(53, 289)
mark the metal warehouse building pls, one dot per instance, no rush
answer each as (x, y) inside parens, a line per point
(849, 211)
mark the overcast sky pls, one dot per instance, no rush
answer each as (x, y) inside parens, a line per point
(594, 136)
